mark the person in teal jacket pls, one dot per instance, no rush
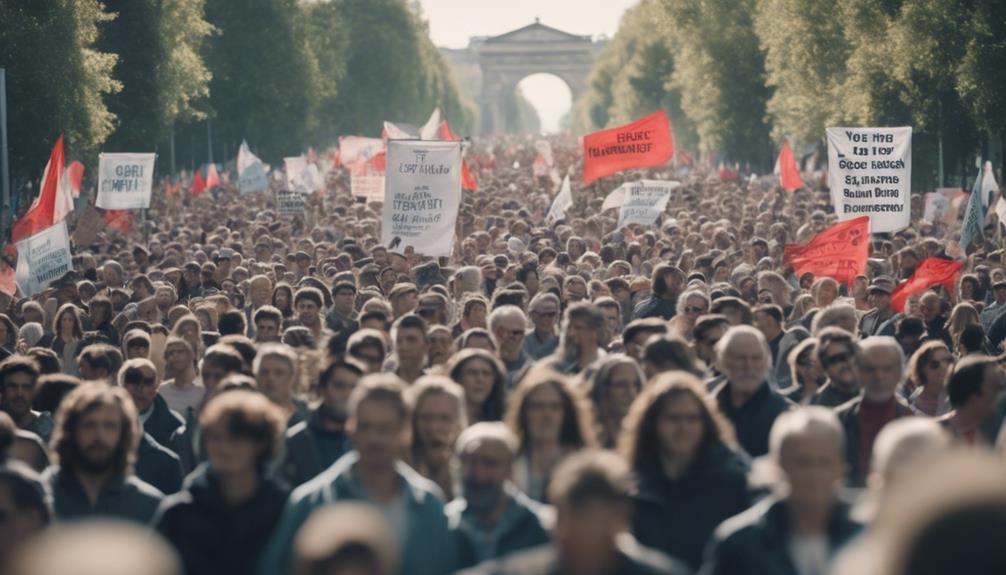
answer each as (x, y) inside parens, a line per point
(373, 474)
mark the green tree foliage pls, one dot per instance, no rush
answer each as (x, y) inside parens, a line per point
(805, 61)
(393, 71)
(264, 86)
(632, 77)
(182, 75)
(56, 81)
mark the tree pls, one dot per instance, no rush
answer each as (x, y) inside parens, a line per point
(264, 85)
(56, 81)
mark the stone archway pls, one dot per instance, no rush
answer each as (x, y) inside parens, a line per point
(506, 59)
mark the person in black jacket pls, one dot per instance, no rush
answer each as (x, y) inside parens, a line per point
(316, 443)
(746, 397)
(689, 476)
(802, 528)
(139, 378)
(229, 507)
(666, 286)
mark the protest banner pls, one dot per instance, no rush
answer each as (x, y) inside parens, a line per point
(251, 172)
(870, 174)
(562, 202)
(937, 206)
(644, 143)
(358, 150)
(302, 176)
(369, 186)
(290, 203)
(43, 258)
(839, 252)
(644, 201)
(125, 181)
(422, 194)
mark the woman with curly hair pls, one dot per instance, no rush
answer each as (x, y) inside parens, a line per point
(551, 420)
(689, 474)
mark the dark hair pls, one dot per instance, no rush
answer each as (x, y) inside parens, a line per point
(671, 352)
(910, 326)
(12, 331)
(102, 356)
(587, 476)
(492, 409)
(639, 443)
(50, 391)
(772, 310)
(972, 338)
(966, 379)
(248, 415)
(27, 490)
(385, 387)
(365, 338)
(411, 321)
(281, 286)
(730, 302)
(378, 315)
(833, 335)
(343, 285)
(349, 364)
(68, 308)
(268, 312)
(17, 364)
(650, 325)
(311, 294)
(86, 398)
(224, 356)
(706, 323)
(232, 322)
(658, 281)
(102, 301)
(577, 421)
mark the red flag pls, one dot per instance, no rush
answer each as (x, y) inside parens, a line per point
(8, 283)
(785, 167)
(838, 252)
(932, 271)
(643, 143)
(119, 220)
(468, 181)
(45, 211)
(212, 177)
(726, 174)
(198, 184)
(75, 172)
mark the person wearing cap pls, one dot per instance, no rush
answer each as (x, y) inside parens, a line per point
(404, 298)
(994, 310)
(882, 319)
(342, 318)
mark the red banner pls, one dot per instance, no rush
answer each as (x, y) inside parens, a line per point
(839, 252)
(789, 175)
(643, 143)
(932, 271)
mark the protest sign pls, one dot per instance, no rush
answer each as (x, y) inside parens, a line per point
(562, 202)
(644, 201)
(936, 207)
(369, 186)
(643, 143)
(302, 176)
(251, 172)
(43, 258)
(124, 181)
(422, 194)
(290, 203)
(870, 174)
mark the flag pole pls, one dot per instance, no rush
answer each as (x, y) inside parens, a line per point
(5, 217)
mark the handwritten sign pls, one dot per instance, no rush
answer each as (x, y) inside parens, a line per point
(43, 258)
(870, 174)
(290, 203)
(422, 194)
(644, 201)
(125, 181)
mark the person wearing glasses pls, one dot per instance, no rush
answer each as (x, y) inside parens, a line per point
(507, 325)
(542, 340)
(691, 305)
(927, 372)
(836, 352)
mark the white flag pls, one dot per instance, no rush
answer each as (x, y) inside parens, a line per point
(251, 172)
(989, 185)
(430, 128)
(563, 201)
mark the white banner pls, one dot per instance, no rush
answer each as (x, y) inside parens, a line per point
(562, 202)
(124, 181)
(644, 201)
(870, 174)
(354, 149)
(369, 186)
(251, 172)
(290, 203)
(43, 258)
(422, 194)
(937, 205)
(302, 176)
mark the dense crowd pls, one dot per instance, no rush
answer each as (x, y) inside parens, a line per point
(274, 394)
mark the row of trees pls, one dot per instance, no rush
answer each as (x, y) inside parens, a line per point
(170, 75)
(738, 76)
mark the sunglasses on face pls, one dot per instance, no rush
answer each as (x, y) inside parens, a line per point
(693, 309)
(837, 358)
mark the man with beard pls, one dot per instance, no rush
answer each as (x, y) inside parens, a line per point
(492, 518)
(315, 444)
(18, 383)
(508, 324)
(837, 351)
(373, 473)
(93, 451)
(583, 331)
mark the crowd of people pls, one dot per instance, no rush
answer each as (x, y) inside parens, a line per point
(273, 394)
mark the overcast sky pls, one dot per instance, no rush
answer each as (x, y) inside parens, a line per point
(453, 22)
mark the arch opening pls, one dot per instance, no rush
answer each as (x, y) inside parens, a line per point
(551, 98)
